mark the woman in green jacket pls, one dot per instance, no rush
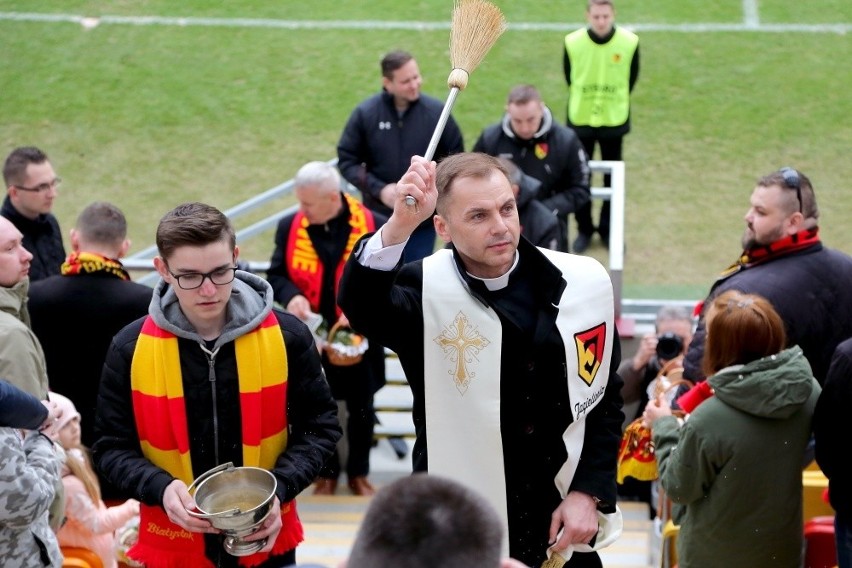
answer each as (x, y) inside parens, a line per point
(733, 467)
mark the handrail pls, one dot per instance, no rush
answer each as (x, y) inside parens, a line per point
(615, 194)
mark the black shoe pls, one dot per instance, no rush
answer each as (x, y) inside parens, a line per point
(581, 243)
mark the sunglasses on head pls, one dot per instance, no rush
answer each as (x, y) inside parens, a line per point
(791, 180)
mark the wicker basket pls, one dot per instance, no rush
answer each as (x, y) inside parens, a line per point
(341, 354)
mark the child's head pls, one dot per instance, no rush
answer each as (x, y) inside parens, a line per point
(69, 424)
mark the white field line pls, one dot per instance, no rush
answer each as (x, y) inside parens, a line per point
(748, 25)
(751, 14)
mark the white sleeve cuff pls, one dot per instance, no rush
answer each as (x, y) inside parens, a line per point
(377, 256)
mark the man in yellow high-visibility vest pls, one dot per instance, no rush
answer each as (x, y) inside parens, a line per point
(601, 66)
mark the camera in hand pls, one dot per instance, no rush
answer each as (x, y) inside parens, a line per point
(669, 345)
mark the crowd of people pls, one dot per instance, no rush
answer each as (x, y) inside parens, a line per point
(116, 397)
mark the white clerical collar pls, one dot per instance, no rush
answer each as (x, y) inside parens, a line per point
(501, 281)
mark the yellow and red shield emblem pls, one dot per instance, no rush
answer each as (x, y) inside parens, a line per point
(590, 351)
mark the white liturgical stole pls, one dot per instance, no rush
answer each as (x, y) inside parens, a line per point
(462, 353)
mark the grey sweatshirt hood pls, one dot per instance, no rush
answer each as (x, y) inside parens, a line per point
(772, 387)
(544, 128)
(249, 304)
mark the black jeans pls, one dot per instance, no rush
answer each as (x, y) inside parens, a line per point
(610, 150)
(359, 424)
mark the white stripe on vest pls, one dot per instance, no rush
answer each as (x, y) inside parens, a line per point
(462, 347)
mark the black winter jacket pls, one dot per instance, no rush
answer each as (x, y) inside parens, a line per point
(42, 237)
(831, 429)
(377, 144)
(811, 292)
(554, 156)
(311, 411)
(538, 224)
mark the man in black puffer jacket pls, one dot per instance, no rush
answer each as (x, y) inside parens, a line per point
(385, 131)
(547, 151)
(784, 261)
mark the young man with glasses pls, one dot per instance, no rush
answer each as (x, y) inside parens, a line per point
(784, 261)
(31, 186)
(212, 375)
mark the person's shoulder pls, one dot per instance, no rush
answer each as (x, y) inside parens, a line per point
(430, 102)
(576, 263)
(129, 333)
(10, 324)
(621, 30)
(844, 349)
(140, 290)
(296, 333)
(44, 288)
(838, 256)
(371, 102)
(578, 33)
(287, 219)
(490, 136)
(564, 133)
(52, 219)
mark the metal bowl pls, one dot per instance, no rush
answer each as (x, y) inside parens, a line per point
(236, 500)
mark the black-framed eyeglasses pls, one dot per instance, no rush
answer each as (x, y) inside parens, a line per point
(193, 280)
(42, 187)
(791, 180)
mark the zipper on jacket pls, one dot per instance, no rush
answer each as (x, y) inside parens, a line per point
(211, 377)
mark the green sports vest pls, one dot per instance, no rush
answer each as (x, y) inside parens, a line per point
(600, 78)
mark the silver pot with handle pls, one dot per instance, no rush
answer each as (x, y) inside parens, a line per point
(236, 500)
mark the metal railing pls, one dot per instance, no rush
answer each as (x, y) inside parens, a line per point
(615, 194)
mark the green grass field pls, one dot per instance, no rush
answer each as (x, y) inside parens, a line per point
(149, 116)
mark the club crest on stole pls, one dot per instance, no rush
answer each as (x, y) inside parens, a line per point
(590, 351)
(462, 342)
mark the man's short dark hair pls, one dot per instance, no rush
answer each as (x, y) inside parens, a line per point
(426, 521)
(193, 224)
(16, 163)
(463, 165)
(102, 223)
(522, 94)
(393, 61)
(809, 204)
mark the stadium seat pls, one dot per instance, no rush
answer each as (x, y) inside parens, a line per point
(75, 557)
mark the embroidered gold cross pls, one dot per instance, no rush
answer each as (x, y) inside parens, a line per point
(462, 342)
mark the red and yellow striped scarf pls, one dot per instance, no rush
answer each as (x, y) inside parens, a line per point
(89, 262)
(303, 263)
(160, 412)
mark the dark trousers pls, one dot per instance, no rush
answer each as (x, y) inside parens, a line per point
(359, 422)
(584, 560)
(421, 243)
(610, 150)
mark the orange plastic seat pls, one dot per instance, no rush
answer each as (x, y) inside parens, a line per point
(75, 557)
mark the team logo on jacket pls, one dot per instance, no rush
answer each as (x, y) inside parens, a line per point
(384, 125)
(590, 351)
(541, 150)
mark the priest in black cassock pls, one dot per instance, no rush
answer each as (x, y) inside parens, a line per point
(510, 352)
